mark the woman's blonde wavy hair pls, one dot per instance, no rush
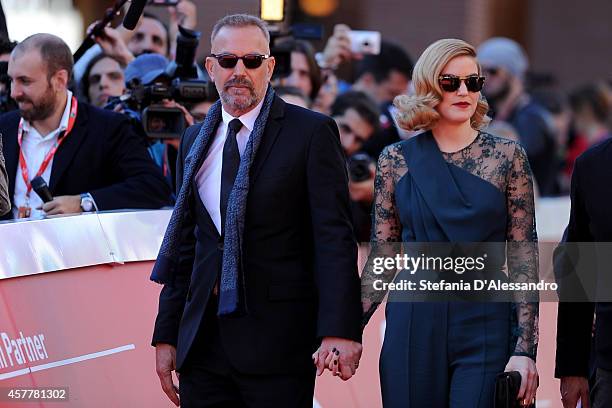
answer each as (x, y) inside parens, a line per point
(417, 112)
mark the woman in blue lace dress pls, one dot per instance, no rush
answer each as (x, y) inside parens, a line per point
(454, 183)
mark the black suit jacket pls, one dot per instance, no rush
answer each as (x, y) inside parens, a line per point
(590, 221)
(102, 156)
(300, 257)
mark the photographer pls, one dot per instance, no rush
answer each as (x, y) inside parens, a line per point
(158, 93)
(382, 77)
(357, 117)
(305, 72)
(103, 78)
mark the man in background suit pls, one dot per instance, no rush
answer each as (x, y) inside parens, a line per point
(253, 286)
(91, 159)
(590, 221)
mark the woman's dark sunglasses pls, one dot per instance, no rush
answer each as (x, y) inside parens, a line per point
(450, 83)
(250, 61)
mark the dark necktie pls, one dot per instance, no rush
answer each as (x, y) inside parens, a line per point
(229, 167)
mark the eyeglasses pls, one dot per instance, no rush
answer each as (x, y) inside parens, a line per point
(450, 83)
(250, 61)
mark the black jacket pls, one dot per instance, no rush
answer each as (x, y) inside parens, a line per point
(590, 221)
(299, 252)
(102, 156)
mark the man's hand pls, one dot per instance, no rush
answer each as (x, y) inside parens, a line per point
(165, 363)
(340, 356)
(338, 47)
(63, 205)
(184, 14)
(574, 389)
(114, 45)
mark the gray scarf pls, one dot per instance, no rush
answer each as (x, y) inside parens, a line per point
(232, 284)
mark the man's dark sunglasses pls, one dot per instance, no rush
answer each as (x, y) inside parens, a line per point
(450, 83)
(250, 61)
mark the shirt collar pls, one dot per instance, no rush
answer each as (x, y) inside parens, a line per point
(63, 122)
(248, 119)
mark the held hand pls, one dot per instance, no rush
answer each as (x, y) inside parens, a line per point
(165, 361)
(340, 356)
(574, 389)
(63, 205)
(529, 377)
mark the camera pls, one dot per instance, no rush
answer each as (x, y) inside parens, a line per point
(179, 82)
(359, 167)
(365, 42)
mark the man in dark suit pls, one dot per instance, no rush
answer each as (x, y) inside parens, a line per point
(590, 221)
(91, 159)
(259, 260)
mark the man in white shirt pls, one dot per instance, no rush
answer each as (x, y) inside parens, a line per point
(91, 159)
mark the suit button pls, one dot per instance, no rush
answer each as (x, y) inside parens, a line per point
(220, 244)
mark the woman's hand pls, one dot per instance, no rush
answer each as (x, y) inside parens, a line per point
(529, 377)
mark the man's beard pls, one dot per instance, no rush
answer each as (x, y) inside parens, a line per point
(239, 103)
(41, 109)
(493, 99)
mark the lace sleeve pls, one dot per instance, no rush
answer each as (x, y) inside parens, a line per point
(386, 227)
(522, 250)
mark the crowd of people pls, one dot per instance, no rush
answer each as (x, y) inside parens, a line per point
(553, 127)
(115, 130)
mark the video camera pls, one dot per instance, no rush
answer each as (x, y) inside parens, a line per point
(179, 82)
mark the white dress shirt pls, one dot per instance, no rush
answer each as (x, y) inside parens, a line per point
(208, 178)
(35, 147)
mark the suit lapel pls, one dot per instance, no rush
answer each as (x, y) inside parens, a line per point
(273, 127)
(69, 148)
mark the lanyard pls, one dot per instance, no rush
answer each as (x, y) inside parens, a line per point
(49, 156)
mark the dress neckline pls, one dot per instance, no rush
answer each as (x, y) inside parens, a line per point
(478, 133)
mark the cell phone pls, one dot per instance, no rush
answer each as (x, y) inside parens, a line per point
(365, 42)
(163, 3)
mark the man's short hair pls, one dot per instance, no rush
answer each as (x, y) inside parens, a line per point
(361, 103)
(240, 20)
(392, 57)
(53, 51)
